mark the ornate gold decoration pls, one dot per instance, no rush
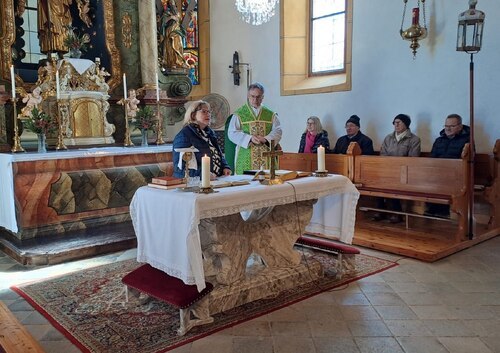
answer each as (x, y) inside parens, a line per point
(109, 24)
(127, 30)
(17, 141)
(8, 36)
(159, 126)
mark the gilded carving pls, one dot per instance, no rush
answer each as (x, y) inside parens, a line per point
(127, 30)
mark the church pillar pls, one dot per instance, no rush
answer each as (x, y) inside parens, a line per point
(148, 42)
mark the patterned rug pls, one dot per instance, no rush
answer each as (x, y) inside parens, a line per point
(89, 307)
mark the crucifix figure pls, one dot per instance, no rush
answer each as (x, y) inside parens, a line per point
(272, 169)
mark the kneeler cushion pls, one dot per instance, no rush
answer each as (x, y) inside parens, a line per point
(164, 287)
(328, 245)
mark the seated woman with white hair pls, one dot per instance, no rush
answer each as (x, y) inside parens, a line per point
(197, 133)
(313, 137)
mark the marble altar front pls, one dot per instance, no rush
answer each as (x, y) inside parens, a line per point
(59, 192)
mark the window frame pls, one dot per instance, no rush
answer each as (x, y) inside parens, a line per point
(311, 35)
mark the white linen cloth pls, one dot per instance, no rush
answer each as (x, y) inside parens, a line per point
(168, 237)
(7, 200)
(192, 163)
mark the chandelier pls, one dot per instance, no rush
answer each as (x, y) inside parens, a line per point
(256, 12)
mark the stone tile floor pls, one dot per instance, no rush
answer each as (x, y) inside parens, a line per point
(452, 305)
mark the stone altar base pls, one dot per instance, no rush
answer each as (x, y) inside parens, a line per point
(262, 283)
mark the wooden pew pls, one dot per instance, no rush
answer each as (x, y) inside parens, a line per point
(436, 180)
(342, 164)
(492, 190)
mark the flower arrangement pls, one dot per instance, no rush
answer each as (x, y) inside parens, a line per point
(144, 119)
(40, 122)
(75, 41)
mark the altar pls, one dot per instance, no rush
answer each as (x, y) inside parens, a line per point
(46, 194)
(173, 228)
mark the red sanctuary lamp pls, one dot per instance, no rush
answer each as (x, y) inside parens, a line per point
(415, 32)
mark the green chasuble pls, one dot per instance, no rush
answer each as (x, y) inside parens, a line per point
(251, 158)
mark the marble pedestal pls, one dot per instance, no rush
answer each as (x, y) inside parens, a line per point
(267, 237)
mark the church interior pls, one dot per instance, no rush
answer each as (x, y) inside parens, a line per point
(93, 94)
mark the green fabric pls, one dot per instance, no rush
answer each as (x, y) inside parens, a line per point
(248, 119)
(229, 146)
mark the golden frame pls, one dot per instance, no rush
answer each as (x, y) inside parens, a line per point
(7, 38)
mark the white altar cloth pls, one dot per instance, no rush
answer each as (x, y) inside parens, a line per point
(166, 221)
(7, 201)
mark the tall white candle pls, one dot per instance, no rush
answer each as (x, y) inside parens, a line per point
(13, 80)
(157, 88)
(58, 92)
(321, 159)
(205, 172)
(125, 86)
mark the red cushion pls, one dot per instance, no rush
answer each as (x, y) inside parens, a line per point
(162, 286)
(328, 245)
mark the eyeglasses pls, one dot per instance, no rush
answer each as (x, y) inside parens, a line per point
(256, 97)
(311, 123)
(204, 111)
(451, 126)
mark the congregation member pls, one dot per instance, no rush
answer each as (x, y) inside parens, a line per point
(449, 144)
(197, 133)
(252, 128)
(354, 134)
(313, 137)
(402, 143)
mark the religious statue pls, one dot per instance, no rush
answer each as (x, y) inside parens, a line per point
(172, 35)
(54, 19)
(132, 104)
(83, 10)
(46, 76)
(32, 100)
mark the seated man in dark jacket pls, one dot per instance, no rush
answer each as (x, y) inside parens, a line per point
(452, 138)
(354, 134)
(449, 144)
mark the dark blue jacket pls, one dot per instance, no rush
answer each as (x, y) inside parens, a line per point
(364, 142)
(188, 137)
(321, 139)
(445, 147)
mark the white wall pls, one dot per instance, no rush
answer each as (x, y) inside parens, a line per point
(386, 80)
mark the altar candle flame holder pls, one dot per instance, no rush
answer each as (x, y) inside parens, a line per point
(127, 142)
(16, 147)
(159, 131)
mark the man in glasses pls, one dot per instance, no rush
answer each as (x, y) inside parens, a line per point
(252, 128)
(449, 144)
(452, 138)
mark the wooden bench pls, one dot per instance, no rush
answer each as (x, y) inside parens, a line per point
(335, 163)
(436, 180)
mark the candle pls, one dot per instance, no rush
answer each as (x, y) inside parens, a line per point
(58, 92)
(157, 88)
(13, 80)
(321, 159)
(205, 172)
(125, 86)
(415, 16)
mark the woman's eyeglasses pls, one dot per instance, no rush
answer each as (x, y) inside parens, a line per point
(204, 111)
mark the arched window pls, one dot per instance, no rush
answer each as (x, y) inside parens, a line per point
(316, 38)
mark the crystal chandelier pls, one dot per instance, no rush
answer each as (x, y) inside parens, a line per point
(256, 12)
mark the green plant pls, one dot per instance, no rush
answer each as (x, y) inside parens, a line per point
(40, 122)
(145, 119)
(75, 41)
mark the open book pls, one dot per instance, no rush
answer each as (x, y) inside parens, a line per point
(282, 173)
(221, 183)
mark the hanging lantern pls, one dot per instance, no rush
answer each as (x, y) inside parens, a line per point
(415, 32)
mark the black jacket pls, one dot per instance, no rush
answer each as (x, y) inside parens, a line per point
(363, 141)
(321, 139)
(445, 147)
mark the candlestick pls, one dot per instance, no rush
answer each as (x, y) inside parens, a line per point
(321, 159)
(58, 93)
(157, 88)
(125, 86)
(13, 80)
(205, 172)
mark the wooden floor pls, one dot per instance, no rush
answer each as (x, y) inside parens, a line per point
(14, 338)
(426, 240)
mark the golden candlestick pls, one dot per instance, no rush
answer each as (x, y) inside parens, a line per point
(159, 131)
(60, 139)
(17, 140)
(127, 142)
